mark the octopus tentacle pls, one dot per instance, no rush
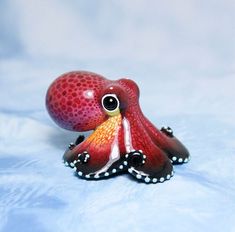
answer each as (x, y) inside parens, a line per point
(155, 165)
(138, 166)
(166, 140)
(79, 140)
(165, 174)
(99, 155)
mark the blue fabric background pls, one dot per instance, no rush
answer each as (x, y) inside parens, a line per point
(182, 55)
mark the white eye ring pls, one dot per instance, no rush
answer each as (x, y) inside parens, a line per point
(111, 96)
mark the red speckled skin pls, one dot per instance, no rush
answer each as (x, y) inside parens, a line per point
(74, 102)
(69, 103)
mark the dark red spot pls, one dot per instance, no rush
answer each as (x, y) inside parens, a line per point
(64, 85)
(77, 100)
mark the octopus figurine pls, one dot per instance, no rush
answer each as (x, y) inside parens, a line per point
(123, 139)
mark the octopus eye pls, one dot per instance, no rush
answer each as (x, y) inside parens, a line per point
(110, 103)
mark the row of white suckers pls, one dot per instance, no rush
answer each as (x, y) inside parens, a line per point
(131, 170)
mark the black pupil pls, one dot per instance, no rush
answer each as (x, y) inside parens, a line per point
(110, 103)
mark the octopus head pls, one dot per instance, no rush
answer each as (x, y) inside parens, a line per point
(81, 101)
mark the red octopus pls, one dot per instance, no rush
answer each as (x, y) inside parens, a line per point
(123, 139)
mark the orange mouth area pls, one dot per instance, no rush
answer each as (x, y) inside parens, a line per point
(106, 132)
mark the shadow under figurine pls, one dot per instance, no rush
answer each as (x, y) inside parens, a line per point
(123, 139)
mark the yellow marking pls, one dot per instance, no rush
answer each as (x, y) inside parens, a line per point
(113, 113)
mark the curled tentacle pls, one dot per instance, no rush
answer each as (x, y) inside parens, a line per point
(147, 169)
(166, 140)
